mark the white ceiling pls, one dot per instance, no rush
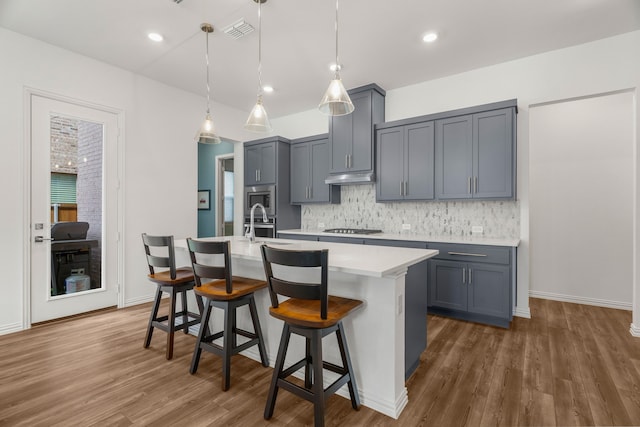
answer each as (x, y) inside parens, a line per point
(380, 41)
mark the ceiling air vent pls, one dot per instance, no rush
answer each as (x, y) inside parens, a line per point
(239, 29)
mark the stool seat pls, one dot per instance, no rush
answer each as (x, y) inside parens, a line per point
(183, 275)
(216, 289)
(306, 313)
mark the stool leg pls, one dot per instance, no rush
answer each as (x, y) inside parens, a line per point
(185, 316)
(258, 330)
(171, 322)
(277, 370)
(152, 318)
(318, 385)
(346, 362)
(308, 375)
(227, 344)
(206, 314)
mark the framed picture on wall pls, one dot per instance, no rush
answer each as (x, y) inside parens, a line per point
(204, 200)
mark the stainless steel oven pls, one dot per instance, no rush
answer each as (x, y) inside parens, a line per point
(261, 228)
(263, 194)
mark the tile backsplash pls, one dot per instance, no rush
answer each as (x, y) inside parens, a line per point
(358, 209)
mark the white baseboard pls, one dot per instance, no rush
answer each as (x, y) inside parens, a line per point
(10, 328)
(582, 300)
(522, 312)
(139, 300)
(634, 330)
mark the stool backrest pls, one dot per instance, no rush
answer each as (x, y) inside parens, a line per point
(168, 261)
(206, 270)
(300, 290)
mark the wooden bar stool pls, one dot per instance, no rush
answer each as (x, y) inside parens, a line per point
(227, 292)
(173, 281)
(313, 314)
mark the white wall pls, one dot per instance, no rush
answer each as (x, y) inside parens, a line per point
(603, 66)
(581, 193)
(160, 163)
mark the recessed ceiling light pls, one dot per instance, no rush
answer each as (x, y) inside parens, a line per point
(156, 37)
(430, 37)
(267, 88)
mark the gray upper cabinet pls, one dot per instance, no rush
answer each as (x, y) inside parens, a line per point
(493, 149)
(454, 158)
(260, 164)
(405, 159)
(309, 169)
(475, 155)
(351, 136)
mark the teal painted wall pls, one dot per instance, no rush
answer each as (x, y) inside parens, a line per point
(207, 181)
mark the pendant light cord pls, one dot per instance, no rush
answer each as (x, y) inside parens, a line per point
(207, 61)
(337, 63)
(259, 48)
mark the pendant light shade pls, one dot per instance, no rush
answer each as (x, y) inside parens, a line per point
(336, 101)
(258, 120)
(206, 134)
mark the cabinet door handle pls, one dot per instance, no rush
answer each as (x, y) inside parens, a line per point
(256, 174)
(310, 192)
(470, 275)
(346, 161)
(469, 185)
(405, 188)
(259, 174)
(475, 184)
(464, 272)
(401, 188)
(465, 254)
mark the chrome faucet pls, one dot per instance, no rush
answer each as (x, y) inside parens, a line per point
(251, 233)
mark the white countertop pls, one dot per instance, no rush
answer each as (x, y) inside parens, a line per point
(471, 240)
(374, 261)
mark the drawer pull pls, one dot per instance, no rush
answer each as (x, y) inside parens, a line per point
(466, 254)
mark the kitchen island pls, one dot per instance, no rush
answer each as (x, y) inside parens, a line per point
(375, 332)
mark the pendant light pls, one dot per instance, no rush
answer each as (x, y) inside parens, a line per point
(207, 134)
(336, 101)
(258, 120)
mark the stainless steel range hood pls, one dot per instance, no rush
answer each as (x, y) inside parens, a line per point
(351, 178)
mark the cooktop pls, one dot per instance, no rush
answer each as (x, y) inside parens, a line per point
(352, 231)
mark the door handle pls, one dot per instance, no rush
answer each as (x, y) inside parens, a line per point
(475, 184)
(310, 192)
(464, 273)
(470, 275)
(40, 239)
(405, 188)
(401, 188)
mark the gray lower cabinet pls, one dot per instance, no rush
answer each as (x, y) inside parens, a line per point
(472, 282)
(309, 169)
(260, 164)
(405, 160)
(475, 155)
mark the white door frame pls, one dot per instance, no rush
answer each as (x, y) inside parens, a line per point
(219, 179)
(28, 93)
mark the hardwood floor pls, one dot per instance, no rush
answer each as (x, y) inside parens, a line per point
(568, 365)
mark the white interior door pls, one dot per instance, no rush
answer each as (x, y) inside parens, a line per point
(79, 290)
